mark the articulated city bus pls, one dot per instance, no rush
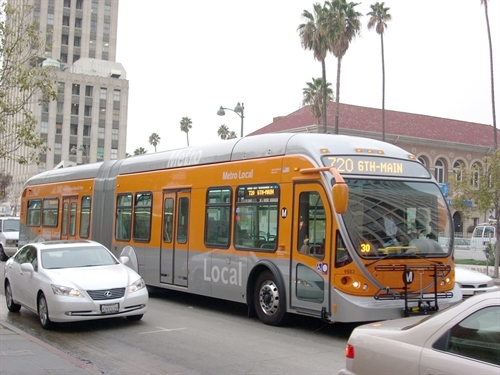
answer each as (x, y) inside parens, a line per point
(337, 227)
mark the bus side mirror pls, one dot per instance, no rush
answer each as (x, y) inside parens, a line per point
(340, 193)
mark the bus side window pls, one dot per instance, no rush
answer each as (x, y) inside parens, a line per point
(123, 217)
(33, 217)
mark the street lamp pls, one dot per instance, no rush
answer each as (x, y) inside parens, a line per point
(238, 110)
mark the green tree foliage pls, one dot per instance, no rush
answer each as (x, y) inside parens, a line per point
(312, 95)
(223, 132)
(154, 140)
(341, 25)
(379, 17)
(24, 84)
(140, 151)
(5, 181)
(186, 125)
(481, 185)
(313, 37)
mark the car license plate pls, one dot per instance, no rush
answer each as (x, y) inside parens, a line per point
(110, 308)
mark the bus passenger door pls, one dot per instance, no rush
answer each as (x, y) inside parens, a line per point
(175, 244)
(311, 250)
(68, 222)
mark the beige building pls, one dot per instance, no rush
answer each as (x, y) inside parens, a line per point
(442, 145)
(88, 122)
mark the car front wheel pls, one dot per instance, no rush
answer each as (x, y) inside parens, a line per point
(268, 301)
(43, 312)
(11, 305)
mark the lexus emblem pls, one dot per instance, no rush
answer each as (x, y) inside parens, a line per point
(107, 294)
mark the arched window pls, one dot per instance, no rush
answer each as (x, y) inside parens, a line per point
(423, 160)
(458, 169)
(439, 171)
(476, 171)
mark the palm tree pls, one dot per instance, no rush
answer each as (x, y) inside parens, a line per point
(186, 125)
(223, 132)
(140, 151)
(232, 135)
(313, 38)
(485, 3)
(312, 95)
(378, 19)
(342, 25)
(154, 140)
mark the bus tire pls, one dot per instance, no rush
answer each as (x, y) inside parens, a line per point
(269, 300)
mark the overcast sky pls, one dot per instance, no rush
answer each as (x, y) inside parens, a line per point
(186, 58)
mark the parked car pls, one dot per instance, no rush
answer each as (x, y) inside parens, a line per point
(472, 282)
(9, 236)
(462, 339)
(65, 281)
(484, 234)
(459, 243)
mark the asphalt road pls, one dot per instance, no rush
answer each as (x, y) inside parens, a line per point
(187, 334)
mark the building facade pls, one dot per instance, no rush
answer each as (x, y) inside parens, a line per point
(88, 122)
(442, 145)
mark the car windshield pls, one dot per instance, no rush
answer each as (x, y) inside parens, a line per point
(396, 218)
(11, 225)
(76, 257)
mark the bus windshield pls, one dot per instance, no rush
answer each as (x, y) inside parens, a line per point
(396, 218)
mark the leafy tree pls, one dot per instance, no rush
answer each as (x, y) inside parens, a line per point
(342, 24)
(223, 132)
(5, 181)
(379, 17)
(23, 79)
(313, 37)
(154, 140)
(232, 135)
(482, 187)
(485, 3)
(312, 95)
(140, 151)
(186, 125)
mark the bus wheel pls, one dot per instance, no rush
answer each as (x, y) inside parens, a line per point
(269, 305)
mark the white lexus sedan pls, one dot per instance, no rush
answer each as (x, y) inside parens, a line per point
(463, 339)
(65, 281)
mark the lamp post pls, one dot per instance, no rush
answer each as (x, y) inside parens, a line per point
(239, 110)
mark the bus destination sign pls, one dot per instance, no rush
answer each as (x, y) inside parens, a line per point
(375, 165)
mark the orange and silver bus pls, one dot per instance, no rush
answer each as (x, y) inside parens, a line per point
(284, 223)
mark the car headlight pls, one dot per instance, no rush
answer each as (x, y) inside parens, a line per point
(65, 291)
(138, 285)
(10, 242)
(491, 283)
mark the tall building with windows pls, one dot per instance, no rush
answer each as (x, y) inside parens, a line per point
(88, 122)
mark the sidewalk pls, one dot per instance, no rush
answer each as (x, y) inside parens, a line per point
(22, 354)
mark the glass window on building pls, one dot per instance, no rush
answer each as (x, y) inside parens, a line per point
(102, 113)
(114, 154)
(60, 88)
(74, 109)
(458, 168)
(78, 41)
(100, 133)
(64, 58)
(116, 114)
(86, 130)
(50, 18)
(106, 28)
(67, 3)
(78, 23)
(57, 148)
(100, 152)
(76, 58)
(95, 6)
(439, 171)
(58, 128)
(107, 10)
(65, 20)
(44, 127)
(93, 27)
(114, 134)
(103, 93)
(60, 108)
(88, 111)
(75, 89)
(79, 4)
(64, 39)
(88, 90)
(116, 95)
(74, 129)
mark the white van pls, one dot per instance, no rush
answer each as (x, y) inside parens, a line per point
(9, 236)
(483, 234)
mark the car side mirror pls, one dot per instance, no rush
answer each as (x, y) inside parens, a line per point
(27, 267)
